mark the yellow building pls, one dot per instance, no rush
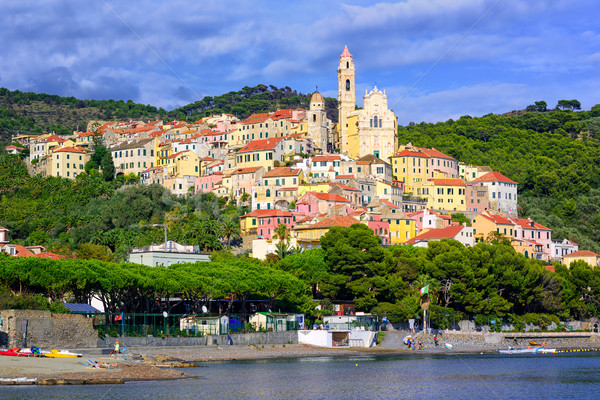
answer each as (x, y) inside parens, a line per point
(402, 227)
(261, 153)
(322, 187)
(586, 256)
(487, 222)
(68, 162)
(184, 163)
(411, 168)
(444, 194)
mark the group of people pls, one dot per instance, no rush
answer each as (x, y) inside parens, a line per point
(415, 344)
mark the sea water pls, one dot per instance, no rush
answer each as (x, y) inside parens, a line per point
(451, 376)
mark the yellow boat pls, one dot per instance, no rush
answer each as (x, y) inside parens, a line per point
(60, 354)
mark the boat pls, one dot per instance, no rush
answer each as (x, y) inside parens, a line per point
(528, 350)
(60, 354)
(17, 352)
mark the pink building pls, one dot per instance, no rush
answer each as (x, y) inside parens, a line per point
(313, 203)
(206, 184)
(380, 228)
(526, 229)
(268, 220)
(476, 197)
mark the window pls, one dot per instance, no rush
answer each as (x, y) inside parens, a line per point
(347, 83)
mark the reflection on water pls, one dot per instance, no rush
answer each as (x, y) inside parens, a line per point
(423, 377)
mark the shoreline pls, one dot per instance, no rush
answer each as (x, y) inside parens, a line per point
(155, 364)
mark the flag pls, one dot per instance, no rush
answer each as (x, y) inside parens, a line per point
(425, 290)
(119, 317)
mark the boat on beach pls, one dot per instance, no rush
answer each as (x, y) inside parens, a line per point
(528, 350)
(60, 354)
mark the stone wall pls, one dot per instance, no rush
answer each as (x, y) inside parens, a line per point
(209, 340)
(46, 330)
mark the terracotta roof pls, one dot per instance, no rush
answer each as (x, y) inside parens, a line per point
(291, 189)
(260, 145)
(435, 153)
(23, 252)
(388, 203)
(493, 177)
(282, 171)
(447, 181)
(344, 187)
(249, 170)
(448, 232)
(75, 149)
(329, 197)
(256, 118)
(526, 223)
(50, 255)
(497, 219)
(268, 213)
(344, 177)
(326, 158)
(408, 153)
(582, 253)
(550, 268)
(330, 222)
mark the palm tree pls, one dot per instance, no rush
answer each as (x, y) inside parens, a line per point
(230, 229)
(282, 232)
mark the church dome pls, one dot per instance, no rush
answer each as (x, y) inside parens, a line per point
(317, 97)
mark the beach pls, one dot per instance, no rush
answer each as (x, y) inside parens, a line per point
(160, 363)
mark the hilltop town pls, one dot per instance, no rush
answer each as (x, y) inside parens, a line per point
(299, 169)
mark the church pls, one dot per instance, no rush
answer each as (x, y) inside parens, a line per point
(370, 130)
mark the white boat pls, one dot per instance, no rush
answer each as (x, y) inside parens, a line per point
(528, 350)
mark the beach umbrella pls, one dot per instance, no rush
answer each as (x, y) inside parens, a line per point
(406, 339)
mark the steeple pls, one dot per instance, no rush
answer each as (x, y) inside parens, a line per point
(346, 53)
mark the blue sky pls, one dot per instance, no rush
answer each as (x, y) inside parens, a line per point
(437, 59)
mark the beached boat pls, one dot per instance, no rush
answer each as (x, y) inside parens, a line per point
(528, 350)
(60, 354)
(16, 352)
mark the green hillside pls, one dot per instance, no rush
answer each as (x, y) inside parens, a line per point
(553, 155)
(27, 112)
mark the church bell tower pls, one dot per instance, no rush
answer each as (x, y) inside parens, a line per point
(346, 96)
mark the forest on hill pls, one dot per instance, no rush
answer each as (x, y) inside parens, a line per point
(553, 155)
(37, 113)
(250, 100)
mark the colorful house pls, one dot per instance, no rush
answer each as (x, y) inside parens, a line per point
(502, 192)
(262, 223)
(463, 234)
(586, 256)
(313, 203)
(261, 153)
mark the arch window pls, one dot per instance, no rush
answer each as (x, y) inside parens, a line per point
(347, 84)
(347, 64)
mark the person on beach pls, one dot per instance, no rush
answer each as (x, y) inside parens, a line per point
(116, 349)
(420, 344)
(435, 340)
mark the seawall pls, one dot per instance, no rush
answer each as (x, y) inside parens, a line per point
(256, 338)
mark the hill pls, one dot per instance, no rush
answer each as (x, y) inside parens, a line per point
(27, 112)
(553, 155)
(250, 100)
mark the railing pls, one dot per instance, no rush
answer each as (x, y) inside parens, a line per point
(173, 325)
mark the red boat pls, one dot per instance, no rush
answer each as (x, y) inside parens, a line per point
(17, 352)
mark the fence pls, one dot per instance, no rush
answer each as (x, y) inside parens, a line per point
(157, 325)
